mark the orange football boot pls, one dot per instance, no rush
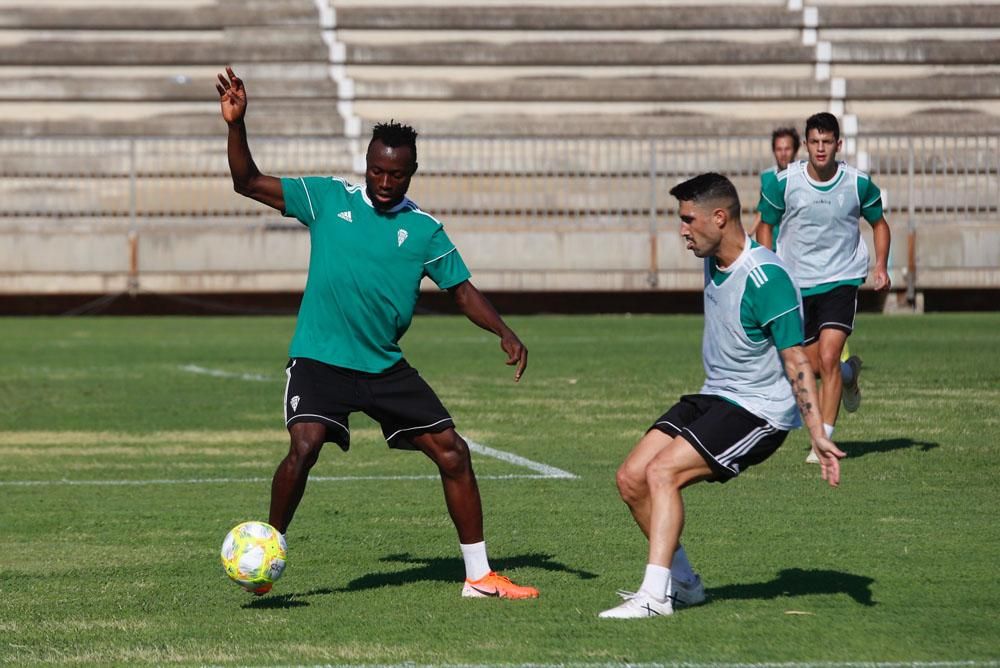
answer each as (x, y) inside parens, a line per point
(497, 586)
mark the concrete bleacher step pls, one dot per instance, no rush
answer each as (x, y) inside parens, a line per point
(578, 53)
(265, 117)
(610, 16)
(423, 112)
(981, 52)
(140, 87)
(613, 89)
(135, 48)
(910, 15)
(489, 73)
(163, 15)
(679, 88)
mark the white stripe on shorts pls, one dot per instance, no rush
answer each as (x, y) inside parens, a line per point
(736, 450)
(744, 445)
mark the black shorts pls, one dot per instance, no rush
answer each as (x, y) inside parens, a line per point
(834, 309)
(398, 399)
(729, 437)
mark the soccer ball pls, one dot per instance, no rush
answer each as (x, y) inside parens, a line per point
(253, 556)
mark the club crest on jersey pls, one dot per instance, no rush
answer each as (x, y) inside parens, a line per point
(401, 237)
(840, 199)
(294, 402)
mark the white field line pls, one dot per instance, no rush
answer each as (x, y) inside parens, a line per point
(218, 373)
(543, 471)
(546, 470)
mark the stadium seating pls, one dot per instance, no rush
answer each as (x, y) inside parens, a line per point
(109, 118)
(117, 68)
(453, 67)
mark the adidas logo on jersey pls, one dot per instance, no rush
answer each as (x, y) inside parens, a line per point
(294, 403)
(345, 215)
(401, 237)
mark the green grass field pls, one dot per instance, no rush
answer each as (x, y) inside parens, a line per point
(124, 461)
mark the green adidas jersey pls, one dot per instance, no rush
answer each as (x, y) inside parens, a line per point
(766, 177)
(365, 269)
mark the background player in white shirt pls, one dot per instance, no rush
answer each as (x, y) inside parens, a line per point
(817, 206)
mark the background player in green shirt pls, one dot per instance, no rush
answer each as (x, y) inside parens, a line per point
(785, 145)
(369, 249)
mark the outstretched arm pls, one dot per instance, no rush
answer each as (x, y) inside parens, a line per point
(881, 238)
(247, 179)
(800, 374)
(479, 310)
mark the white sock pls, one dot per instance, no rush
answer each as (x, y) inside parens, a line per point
(655, 581)
(680, 567)
(846, 373)
(477, 565)
(828, 428)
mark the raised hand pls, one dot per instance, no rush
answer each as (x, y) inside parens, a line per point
(232, 96)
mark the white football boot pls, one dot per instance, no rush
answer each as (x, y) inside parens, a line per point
(637, 606)
(682, 593)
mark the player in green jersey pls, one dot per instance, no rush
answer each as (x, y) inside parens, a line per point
(785, 145)
(370, 247)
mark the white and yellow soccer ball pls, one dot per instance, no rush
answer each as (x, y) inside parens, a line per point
(253, 556)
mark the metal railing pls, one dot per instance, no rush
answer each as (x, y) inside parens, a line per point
(495, 181)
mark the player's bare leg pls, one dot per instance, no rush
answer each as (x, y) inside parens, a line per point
(671, 470)
(631, 476)
(461, 494)
(289, 482)
(824, 355)
(461, 491)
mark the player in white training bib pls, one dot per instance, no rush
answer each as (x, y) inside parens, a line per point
(816, 206)
(758, 382)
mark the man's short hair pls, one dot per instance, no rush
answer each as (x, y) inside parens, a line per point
(395, 135)
(710, 187)
(824, 122)
(787, 132)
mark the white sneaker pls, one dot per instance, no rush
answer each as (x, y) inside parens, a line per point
(851, 394)
(812, 457)
(637, 606)
(682, 594)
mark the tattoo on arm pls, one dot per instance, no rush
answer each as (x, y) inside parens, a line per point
(802, 394)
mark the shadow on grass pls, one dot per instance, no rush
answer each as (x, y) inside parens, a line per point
(284, 601)
(855, 449)
(800, 582)
(422, 569)
(450, 570)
